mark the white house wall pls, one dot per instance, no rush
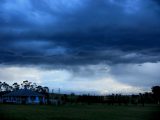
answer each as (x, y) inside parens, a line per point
(18, 100)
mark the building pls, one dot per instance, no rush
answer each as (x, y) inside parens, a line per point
(24, 96)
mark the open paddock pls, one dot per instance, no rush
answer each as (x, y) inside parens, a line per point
(79, 112)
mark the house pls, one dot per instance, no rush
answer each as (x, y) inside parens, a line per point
(1, 100)
(24, 96)
(1, 94)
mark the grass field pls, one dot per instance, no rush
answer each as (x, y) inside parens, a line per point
(79, 112)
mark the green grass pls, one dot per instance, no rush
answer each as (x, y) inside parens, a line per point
(78, 112)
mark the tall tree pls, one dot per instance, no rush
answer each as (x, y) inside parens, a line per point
(156, 93)
(26, 84)
(16, 86)
(33, 86)
(6, 87)
(46, 89)
(39, 89)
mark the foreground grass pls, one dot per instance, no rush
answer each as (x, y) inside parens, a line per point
(78, 112)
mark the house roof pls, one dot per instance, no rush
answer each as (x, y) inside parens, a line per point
(3, 92)
(23, 92)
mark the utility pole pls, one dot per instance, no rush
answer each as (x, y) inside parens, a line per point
(52, 94)
(59, 90)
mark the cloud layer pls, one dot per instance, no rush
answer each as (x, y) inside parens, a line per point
(62, 32)
(94, 79)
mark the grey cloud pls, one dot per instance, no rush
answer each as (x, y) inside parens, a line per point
(94, 31)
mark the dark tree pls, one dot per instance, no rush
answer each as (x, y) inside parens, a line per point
(45, 89)
(26, 84)
(6, 87)
(39, 89)
(33, 86)
(15, 86)
(156, 93)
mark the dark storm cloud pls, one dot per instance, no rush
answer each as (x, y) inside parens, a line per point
(157, 1)
(57, 32)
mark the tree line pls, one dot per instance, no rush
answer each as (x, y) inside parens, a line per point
(119, 99)
(5, 87)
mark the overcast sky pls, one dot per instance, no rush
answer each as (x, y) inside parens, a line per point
(81, 46)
